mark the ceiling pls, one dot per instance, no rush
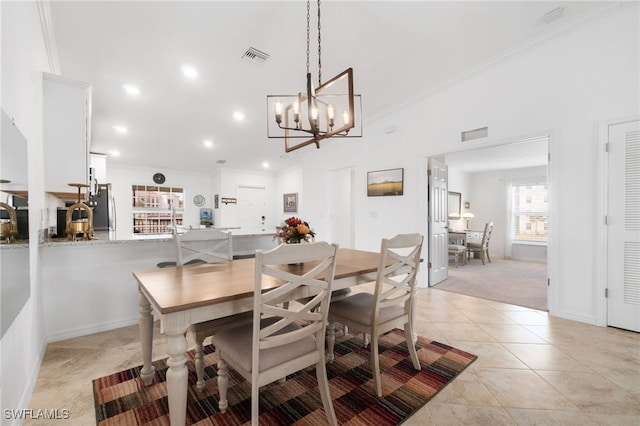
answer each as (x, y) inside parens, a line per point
(515, 155)
(419, 44)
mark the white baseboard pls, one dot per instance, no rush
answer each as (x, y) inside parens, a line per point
(573, 317)
(91, 329)
(25, 398)
(524, 259)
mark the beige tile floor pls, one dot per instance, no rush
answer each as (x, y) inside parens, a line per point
(533, 369)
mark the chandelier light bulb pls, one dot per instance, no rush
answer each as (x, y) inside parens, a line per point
(314, 117)
(330, 114)
(278, 109)
(345, 117)
(296, 111)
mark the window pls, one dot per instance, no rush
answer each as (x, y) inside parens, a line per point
(153, 208)
(530, 210)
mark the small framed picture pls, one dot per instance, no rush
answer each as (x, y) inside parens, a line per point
(290, 202)
(216, 202)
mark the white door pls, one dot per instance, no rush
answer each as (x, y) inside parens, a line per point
(251, 207)
(623, 230)
(438, 220)
(340, 207)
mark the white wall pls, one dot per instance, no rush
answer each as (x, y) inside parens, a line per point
(287, 182)
(24, 58)
(564, 87)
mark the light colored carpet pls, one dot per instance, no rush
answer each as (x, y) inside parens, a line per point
(509, 281)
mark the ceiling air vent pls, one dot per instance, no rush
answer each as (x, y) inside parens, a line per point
(221, 161)
(554, 15)
(470, 135)
(255, 56)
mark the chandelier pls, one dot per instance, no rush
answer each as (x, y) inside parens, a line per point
(328, 110)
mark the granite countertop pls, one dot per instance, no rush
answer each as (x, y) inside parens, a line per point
(107, 237)
(17, 244)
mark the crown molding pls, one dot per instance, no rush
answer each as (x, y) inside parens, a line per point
(482, 66)
(48, 35)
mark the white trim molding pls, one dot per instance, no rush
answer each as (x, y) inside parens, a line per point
(48, 35)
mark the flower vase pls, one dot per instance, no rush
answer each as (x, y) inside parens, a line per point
(297, 263)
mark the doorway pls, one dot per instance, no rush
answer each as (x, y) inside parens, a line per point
(496, 164)
(251, 207)
(623, 225)
(341, 183)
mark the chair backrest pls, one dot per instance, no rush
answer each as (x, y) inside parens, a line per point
(314, 277)
(488, 228)
(207, 245)
(396, 278)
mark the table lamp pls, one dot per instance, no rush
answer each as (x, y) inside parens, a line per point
(467, 216)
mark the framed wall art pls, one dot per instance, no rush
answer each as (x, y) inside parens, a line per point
(290, 202)
(453, 202)
(385, 182)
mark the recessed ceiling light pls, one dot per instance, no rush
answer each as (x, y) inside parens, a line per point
(131, 90)
(189, 71)
(208, 143)
(265, 164)
(114, 153)
(238, 115)
(120, 129)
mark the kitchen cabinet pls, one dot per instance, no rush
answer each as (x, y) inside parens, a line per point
(67, 131)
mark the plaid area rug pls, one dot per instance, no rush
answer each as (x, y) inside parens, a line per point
(122, 398)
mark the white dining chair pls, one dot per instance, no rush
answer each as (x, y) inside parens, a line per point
(389, 307)
(481, 248)
(198, 246)
(282, 339)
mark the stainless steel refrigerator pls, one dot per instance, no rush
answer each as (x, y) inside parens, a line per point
(104, 209)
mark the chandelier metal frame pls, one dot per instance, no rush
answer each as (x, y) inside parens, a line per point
(317, 105)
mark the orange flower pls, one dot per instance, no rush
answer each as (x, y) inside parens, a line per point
(303, 229)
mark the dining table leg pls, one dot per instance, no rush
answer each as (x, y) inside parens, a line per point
(177, 374)
(146, 339)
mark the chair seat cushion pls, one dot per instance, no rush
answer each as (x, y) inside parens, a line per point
(358, 308)
(474, 245)
(335, 295)
(237, 343)
(456, 248)
(202, 330)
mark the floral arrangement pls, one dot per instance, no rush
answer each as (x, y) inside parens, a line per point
(295, 231)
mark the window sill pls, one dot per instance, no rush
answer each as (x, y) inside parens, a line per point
(529, 243)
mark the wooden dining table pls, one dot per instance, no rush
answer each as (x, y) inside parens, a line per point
(194, 294)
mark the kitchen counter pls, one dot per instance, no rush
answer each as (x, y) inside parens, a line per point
(89, 285)
(17, 244)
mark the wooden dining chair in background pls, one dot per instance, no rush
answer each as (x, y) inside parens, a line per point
(199, 246)
(481, 248)
(389, 307)
(284, 337)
